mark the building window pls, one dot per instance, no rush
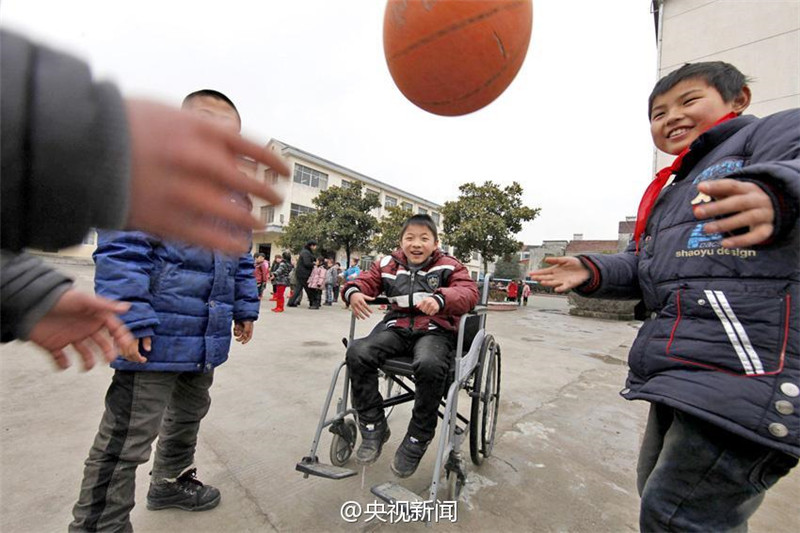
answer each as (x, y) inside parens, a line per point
(267, 214)
(346, 184)
(435, 217)
(308, 176)
(298, 209)
(422, 211)
(366, 262)
(476, 256)
(407, 206)
(270, 176)
(389, 201)
(373, 193)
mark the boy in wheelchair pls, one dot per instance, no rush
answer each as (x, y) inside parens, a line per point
(429, 291)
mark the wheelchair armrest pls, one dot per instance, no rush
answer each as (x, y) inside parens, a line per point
(479, 310)
(380, 300)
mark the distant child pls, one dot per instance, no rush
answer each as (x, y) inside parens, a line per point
(353, 271)
(331, 281)
(526, 292)
(272, 268)
(316, 282)
(716, 260)
(261, 273)
(429, 292)
(281, 279)
(184, 301)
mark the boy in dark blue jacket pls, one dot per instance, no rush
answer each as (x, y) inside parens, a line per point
(716, 261)
(183, 301)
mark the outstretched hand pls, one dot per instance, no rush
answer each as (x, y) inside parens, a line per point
(565, 274)
(184, 171)
(87, 323)
(746, 209)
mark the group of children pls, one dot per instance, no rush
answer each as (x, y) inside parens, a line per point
(518, 291)
(718, 356)
(325, 275)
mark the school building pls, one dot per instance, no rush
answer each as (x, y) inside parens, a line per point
(312, 174)
(760, 37)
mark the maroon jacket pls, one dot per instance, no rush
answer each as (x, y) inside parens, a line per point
(442, 277)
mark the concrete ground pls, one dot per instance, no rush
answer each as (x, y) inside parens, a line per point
(564, 458)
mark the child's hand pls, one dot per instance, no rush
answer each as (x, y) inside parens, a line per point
(748, 206)
(429, 306)
(84, 322)
(243, 331)
(565, 274)
(130, 351)
(358, 303)
(184, 170)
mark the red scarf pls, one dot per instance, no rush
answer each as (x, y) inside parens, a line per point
(654, 189)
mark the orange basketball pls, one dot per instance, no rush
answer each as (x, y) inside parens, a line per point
(453, 57)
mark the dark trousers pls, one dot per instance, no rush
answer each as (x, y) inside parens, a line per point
(695, 476)
(432, 352)
(140, 406)
(297, 295)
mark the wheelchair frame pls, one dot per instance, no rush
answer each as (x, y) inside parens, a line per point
(477, 372)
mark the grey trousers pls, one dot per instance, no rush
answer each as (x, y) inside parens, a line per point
(140, 406)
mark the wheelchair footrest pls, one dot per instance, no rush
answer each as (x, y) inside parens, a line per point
(314, 468)
(392, 493)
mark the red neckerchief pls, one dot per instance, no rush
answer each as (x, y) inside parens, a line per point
(654, 189)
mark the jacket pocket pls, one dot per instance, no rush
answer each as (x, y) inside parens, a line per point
(740, 332)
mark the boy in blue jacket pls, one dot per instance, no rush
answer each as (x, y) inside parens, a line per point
(183, 301)
(716, 261)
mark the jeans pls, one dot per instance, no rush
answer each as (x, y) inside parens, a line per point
(330, 297)
(432, 352)
(140, 406)
(695, 476)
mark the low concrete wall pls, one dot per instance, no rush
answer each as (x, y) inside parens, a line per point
(599, 308)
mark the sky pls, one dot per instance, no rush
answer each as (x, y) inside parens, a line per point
(571, 128)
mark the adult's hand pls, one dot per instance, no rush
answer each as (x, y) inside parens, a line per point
(87, 323)
(184, 170)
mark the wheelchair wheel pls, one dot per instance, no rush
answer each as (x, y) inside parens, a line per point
(485, 402)
(343, 443)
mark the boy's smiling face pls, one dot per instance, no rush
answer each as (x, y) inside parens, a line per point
(418, 243)
(691, 107)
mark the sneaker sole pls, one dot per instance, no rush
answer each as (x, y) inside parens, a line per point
(207, 507)
(400, 474)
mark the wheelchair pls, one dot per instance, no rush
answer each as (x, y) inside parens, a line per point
(475, 369)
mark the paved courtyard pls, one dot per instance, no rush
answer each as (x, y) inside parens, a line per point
(564, 459)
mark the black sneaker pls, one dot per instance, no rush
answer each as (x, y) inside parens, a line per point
(372, 438)
(408, 455)
(186, 493)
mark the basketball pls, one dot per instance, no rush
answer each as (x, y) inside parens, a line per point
(453, 57)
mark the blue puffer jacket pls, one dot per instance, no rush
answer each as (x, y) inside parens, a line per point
(184, 297)
(722, 337)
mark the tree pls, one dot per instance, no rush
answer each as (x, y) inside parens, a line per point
(388, 237)
(299, 231)
(507, 268)
(485, 219)
(342, 220)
